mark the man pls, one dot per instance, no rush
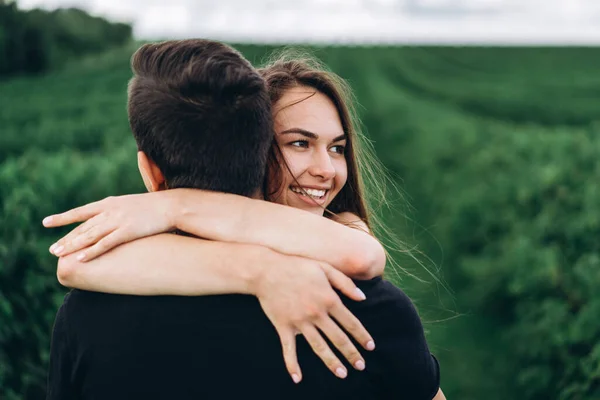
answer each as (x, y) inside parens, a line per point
(201, 117)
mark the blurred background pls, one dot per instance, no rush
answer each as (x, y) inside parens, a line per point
(485, 112)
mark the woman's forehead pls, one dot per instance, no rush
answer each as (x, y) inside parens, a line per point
(305, 108)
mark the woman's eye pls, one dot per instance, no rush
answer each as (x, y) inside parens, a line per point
(300, 143)
(339, 149)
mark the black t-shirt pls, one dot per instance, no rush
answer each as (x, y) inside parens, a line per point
(115, 347)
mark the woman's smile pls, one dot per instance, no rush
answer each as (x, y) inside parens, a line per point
(311, 196)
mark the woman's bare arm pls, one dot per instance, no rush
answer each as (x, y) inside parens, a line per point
(222, 217)
(168, 264)
(232, 218)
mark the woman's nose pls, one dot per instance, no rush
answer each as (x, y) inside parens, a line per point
(322, 166)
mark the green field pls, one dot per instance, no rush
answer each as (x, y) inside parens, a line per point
(496, 151)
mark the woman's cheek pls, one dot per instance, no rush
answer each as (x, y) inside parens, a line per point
(341, 173)
(295, 163)
(277, 185)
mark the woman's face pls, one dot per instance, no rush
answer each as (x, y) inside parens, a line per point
(309, 133)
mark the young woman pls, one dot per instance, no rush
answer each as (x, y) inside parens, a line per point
(277, 253)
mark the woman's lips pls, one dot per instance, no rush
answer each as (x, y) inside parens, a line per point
(311, 200)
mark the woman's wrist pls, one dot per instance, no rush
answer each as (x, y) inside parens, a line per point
(171, 205)
(207, 214)
(263, 260)
(181, 206)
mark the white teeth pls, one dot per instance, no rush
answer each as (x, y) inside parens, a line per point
(311, 192)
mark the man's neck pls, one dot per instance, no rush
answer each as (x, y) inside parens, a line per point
(258, 195)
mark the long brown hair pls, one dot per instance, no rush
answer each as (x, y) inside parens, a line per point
(365, 191)
(291, 70)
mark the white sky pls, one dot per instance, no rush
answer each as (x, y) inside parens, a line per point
(354, 21)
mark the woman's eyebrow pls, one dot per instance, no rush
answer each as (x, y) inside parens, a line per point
(301, 131)
(310, 134)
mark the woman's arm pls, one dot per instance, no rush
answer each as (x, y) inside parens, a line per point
(169, 264)
(221, 217)
(232, 218)
(295, 293)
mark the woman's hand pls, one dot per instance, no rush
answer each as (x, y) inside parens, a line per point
(297, 296)
(111, 222)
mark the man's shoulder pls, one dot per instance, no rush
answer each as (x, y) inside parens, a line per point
(85, 303)
(75, 295)
(390, 311)
(81, 305)
(384, 297)
(401, 347)
(101, 317)
(76, 298)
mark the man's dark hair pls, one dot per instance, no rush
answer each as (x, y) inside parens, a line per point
(201, 112)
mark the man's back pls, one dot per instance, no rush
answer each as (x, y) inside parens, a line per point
(224, 347)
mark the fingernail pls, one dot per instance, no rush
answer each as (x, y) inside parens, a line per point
(360, 365)
(360, 293)
(370, 345)
(52, 248)
(80, 256)
(47, 220)
(58, 250)
(341, 372)
(295, 378)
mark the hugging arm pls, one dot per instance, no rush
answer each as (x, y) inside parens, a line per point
(221, 217)
(295, 293)
(168, 264)
(282, 228)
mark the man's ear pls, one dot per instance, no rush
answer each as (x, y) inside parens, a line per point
(154, 179)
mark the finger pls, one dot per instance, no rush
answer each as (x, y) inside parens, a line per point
(338, 280)
(108, 242)
(288, 345)
(341, 341)
(353, 326)
(321, 349)
(96, 231)
(58, 248)
(64, 245)
(74, 215)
